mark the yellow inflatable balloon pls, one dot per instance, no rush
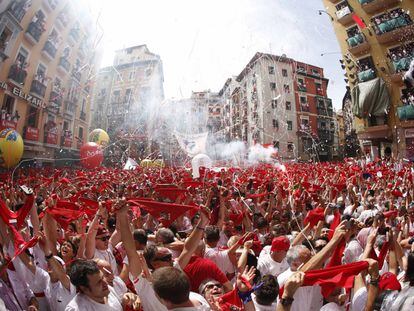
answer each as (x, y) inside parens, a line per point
(146, 163)
(158, 163)
(11, 148)
(99, 137)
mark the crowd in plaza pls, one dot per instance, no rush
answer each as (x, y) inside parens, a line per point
(299, 236)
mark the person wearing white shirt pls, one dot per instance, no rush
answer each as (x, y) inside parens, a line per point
(94, 291)
(306, 297)
(274, 263)
(221, 257)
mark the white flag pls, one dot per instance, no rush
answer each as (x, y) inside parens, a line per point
(130, 164)
(192, 144)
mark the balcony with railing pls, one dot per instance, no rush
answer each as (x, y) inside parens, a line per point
(18, 73)
(366, 74)
(373, 6)
(82, 115)
(358, 44)
(56, 97)
(49, 50)
(64, 64)
(406, 112)
(34, 31)
(77, 75)
(38, 87)
(392, 27)
(325, 134)
(74, 35)
(18, 8)
(344, 13)
(70, 107)
(304, 107)
(302, 87)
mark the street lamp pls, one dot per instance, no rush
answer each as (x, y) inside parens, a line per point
(322, 11)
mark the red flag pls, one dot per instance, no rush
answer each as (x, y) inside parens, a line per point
(165, 212)
(359, 21)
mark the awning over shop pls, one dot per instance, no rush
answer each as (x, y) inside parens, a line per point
(370, 98)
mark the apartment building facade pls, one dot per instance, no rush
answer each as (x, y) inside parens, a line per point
(47, 64)
(377, 42)
(278, 101)
(127, 100)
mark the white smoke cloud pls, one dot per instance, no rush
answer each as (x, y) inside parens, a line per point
(258, 153)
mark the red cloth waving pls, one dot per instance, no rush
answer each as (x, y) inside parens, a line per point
(165, 212)
(338, 276)
(20, 215)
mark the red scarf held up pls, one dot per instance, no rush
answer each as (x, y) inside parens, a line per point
(164, 212)
(336, 258)
(6, 214)
(314, 216)
(335, 223)
(381, 257)
(338, 276)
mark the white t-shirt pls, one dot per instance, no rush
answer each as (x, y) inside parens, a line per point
(150, 301)
(108, 256)
(266, 265)
(58, 296)
(259, 307)
(82, 302)
(220, 258)
(306, 298)
(359, 299)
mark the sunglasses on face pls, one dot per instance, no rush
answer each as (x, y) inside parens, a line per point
(211, 286)
(104, 238)
(165, 258)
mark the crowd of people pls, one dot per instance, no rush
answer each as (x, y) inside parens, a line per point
(299, 236)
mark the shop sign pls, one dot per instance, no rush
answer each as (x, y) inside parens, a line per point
(19, 93)
(409, 133)
(32, 134)
(4, 124)
(51, 138)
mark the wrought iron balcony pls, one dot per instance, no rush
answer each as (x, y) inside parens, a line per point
(358, 44)
(64, 63)
(56, 98)
(34, 31)
(17, 74)
(38, 88)
(82, 115)
(50, 49)
(406, 112)
(18, 9)
(366, 75)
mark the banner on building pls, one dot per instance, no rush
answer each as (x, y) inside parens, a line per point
(192, 144)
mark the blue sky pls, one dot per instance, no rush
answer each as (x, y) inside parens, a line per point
(203, 42)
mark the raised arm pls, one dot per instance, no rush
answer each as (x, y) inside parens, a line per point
(134, 266)
(317, 260)
(90, 236)
(194, 239)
